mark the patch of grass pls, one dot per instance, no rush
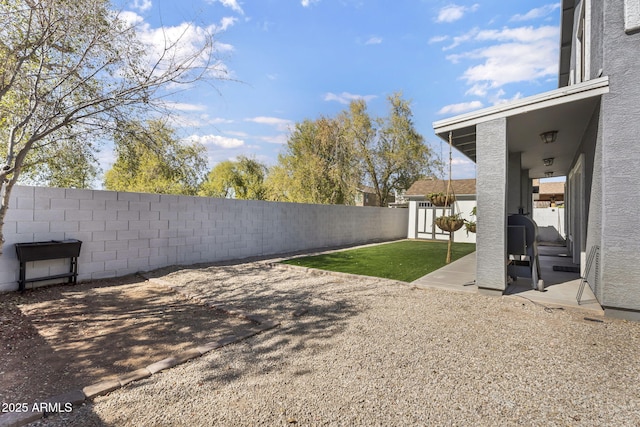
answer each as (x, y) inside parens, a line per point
(405, 261)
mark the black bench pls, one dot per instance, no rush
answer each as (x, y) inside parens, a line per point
(40, 251)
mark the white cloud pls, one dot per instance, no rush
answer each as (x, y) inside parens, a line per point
(232, 4)
(438, 39)
(307, 3)
(374, 40)
(520, 55)
(280, 124)
(521, 34)
(450, 13)
(180, 43)
(463, 167)
(458, 161)
(458, 40)
(216, 120)
(238, 134)
(142, 5)
(131, 18)
(180, 106)
(461, 107)
(187, 39)
(478, 89)
(536, 13)
(454, 12)
(346, 97)
(513, 62)
(276, 139)
(482, 90)
(217, 141)
(226, 22)
(498, 97)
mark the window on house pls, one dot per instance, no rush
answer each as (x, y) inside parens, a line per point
(582, 39)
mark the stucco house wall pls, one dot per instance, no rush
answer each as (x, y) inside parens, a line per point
(620, 159)
(596, 118)
(591, 149)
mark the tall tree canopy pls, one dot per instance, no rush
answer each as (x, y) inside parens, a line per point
(64, 163)
(318, 165)
(241, 179)
(76, 65)
(327, 159)
(393, 154)
(151, 159)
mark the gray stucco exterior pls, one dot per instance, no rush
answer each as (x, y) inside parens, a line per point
(620, 139)
(491, 187)
(596, 112)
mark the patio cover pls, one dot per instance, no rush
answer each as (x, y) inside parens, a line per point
(566, 110)
(504, 141)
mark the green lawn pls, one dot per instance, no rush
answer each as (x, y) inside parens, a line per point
(405, 261)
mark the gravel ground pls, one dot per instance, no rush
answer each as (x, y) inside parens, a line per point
(361, 351)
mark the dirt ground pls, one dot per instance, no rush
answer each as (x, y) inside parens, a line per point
(64, 337)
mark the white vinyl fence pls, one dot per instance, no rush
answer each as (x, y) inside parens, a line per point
(123, 233)
(550, 221)
(550, 224)
(422, 216)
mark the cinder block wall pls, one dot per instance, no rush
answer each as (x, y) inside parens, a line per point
(123, 233)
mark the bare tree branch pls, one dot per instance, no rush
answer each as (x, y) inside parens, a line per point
(71, 68)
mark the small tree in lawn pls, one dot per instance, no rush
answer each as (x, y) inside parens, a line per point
(76, 67)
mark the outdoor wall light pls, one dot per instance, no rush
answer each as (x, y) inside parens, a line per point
(548, 174)
(548, 161)
(549, 137)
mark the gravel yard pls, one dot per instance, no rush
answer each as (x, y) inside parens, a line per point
(361, 351)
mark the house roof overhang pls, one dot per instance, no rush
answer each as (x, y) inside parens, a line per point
(566, 110)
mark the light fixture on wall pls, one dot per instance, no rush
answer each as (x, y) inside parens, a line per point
(549, 136)
(548, 161)
(548, 174)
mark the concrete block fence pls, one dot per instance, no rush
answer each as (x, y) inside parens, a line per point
(124, 233)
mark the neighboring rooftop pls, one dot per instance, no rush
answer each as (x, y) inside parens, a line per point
(549, 187)
(468, 187)
(433, 185)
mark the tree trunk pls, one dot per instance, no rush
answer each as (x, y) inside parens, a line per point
(5, 192)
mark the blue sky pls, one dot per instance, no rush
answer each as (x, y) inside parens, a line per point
(296, 59)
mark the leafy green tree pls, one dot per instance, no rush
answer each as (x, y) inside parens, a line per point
(242, 179)
(220, 181)
(393, 154)
(75, 65)
(63, 163)
(151, 159)
(327, 159)
(318, 166)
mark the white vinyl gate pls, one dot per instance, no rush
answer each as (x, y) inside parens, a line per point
(422, 217)
(425, 222)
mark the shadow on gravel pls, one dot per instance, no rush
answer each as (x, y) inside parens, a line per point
(309, 314)
(62, 338)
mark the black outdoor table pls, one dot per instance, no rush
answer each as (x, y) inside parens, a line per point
(40, 251)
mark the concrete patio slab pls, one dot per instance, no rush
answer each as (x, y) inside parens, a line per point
(458, 276)
(561, 287)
